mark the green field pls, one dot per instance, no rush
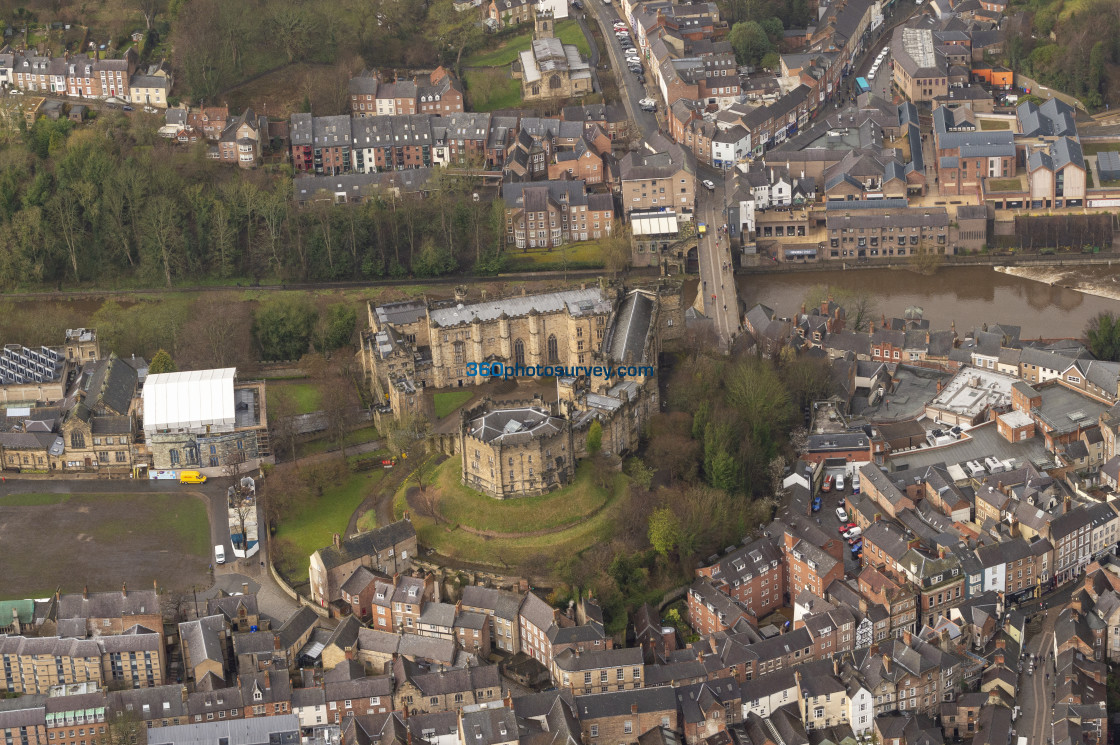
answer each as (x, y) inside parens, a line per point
(583, 255)
(507, 95)
(447, 402)
(563, 507)
(1095, 148)
(312, 524)
(568, 31)
(305, 396)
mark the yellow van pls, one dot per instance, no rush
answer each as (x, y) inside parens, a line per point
(191, 477)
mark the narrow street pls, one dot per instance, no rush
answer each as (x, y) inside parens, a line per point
(1035, 689)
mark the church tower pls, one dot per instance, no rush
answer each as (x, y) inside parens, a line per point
(543, 23)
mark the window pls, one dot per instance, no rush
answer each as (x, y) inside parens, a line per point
(594, 730)
(628, 727)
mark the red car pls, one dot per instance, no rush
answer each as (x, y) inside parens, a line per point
(843, 529)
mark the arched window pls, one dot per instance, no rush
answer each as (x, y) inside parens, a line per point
(554, 82)
(77, 440)
(519, 352)
(553, 355)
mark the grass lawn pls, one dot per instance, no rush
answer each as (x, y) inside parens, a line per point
(583, 255)
(989, 124)
(533, 513)
(503, 95)
(367, 521)
(447, 402)
(315, 522)
(108, 538)
(1095, 148)
(32, 500)
(305, 396)
(568, 31)
(1004, 184)
(355, 437)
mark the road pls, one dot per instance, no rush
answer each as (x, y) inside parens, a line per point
(717, 268)
(717, 271)
(627, 82)
(1035, 689)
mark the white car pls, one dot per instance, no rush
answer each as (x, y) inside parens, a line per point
(647, 102)
(884, 50)
(708, 185)
(634, 60)
(870, 76)
(840, 482)
(840, 513)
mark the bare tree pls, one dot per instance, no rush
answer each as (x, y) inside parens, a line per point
(404, 436)
(339, 401)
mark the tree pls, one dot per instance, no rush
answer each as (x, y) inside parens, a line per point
(594, 438)
(283, 328)
(1103, 335)
(749, 41)
(282, 423)
(616, 249)
(150, 8)
(335, 329)
(664, 531)
(161, 363)
(339, 402)
(404, 436)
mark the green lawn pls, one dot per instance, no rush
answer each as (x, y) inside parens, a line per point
(533, 513)
(447, 402)
(367, 521)
(505, 94)
(989, 124)
(582, 255)
(313, 524)
(1095, 148)
(1004, 184)
(32, 500)
(304, 396)
(460, 505)
(182, 519)
(568, 31)
(355, 437)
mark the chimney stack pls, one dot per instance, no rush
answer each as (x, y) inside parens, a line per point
(633, 709)
(907, 638)
(85, 593)
(886, 663)
(155, 586)
(276, 642)
(244, 588)
(337, 541)
(124, 589)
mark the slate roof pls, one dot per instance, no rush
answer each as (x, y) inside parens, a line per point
(367, 544)
(499, 602)
(618, 703)
(113, 604)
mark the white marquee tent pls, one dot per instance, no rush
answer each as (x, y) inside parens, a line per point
(192, 401)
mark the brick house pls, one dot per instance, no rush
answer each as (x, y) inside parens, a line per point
(240, 141)
(360, 696)
(808, 566)
(709, 708)
(753, 575)
(552, 213)
(711, 611)
(387, 549)
(505, 13)
(582, 163)
(501, 610)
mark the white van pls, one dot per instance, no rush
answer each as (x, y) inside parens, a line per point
(853, 533)
(840, 482)
(219, 554)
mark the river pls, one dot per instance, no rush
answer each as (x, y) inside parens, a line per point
(968, 296)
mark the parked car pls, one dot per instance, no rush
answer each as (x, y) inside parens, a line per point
(857, 547)
(219, 555)
(577, 5)
(827, 485)
(840, 482)
(642, 79)
(634, 60)
(855, 483)
(853, 533)
(842, 514)
(128, 108)
(709, 185)
(816, 504)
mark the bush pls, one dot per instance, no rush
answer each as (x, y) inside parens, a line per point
(283, 328)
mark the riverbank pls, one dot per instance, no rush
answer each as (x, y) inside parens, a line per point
(765, 266)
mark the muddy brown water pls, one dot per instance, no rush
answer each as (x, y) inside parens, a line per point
(969, 296)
